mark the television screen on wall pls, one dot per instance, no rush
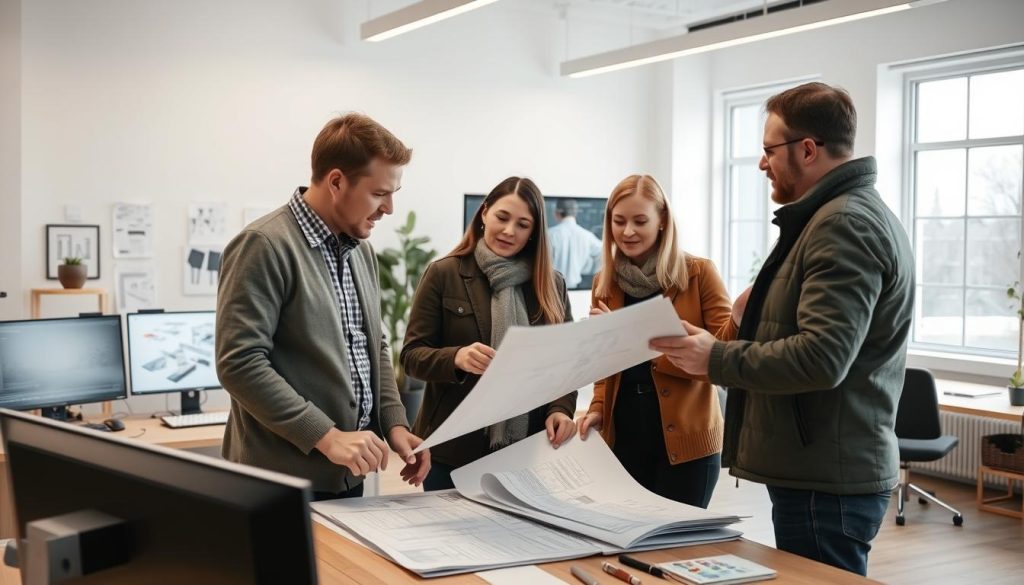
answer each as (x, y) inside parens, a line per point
(575, 249)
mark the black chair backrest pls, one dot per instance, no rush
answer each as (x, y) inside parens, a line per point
(917, 416)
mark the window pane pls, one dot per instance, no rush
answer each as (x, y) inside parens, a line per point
(991, 321)
(940, 251)
(938, 316)
(992, 246)
(997, 104)
(749, 194)
(746, 249)
(941, 177)
(993, 182)
(942, 110)
(747, 130)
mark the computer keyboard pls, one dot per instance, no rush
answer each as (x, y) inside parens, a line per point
(196, 420)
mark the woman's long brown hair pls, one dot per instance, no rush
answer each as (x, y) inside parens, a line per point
(551, 308)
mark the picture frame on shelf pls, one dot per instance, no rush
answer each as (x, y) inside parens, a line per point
(72, 241)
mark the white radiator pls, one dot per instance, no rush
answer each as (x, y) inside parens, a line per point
(962, 462)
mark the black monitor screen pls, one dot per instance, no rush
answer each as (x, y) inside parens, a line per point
(575, 250)
(185, 518)
(171, 352)
(59, 362)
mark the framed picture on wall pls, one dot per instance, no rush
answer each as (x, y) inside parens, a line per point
(72, 241)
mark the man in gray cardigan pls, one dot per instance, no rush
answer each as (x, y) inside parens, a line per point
(299, 341)
(817, 370)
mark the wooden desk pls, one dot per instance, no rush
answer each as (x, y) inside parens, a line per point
(141, 428)
(342, 562)
(37, 294)
(995, 406)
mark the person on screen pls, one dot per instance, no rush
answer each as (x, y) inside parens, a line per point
(575, 250)
(299, 341)
(816, 375)
(497, 277)
(663, 424)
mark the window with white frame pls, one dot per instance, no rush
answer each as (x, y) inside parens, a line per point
(964, 175)
(748, 211)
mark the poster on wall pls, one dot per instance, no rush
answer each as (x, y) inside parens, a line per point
(251, 214)
(72, 241)
(135, 286)
(201, 269)
(207, 223)
(133, 230)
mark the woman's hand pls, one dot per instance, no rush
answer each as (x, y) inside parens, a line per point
(560, 428)
(474, 358)
(588, 421)
(600, 309)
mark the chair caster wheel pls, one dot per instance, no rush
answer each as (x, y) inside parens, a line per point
(958, 520)
(900, 521)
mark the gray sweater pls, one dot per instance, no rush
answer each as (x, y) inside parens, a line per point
(281, 352)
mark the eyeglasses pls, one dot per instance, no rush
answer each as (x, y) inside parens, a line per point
(767, 149)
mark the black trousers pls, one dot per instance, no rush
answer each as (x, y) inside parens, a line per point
(640, 447)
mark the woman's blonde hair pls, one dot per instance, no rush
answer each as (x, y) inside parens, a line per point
(672, 261)
(536, 248)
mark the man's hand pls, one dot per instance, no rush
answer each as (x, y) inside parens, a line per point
(740, 306)
(690, 353)
(560, 428)
(474, 358)
(416, 465)
(591, 420)
(360, 451)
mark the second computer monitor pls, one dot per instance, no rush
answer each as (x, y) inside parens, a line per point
(172, 352)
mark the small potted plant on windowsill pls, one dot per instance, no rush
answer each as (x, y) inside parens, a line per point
(1016, 386)
(72, 273)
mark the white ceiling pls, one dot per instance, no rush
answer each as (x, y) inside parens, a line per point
(654, 14)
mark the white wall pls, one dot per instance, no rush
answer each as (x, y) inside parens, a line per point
(848, 55)
(10, 158)
(195, 101)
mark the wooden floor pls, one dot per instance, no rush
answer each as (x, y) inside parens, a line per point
(928, 550)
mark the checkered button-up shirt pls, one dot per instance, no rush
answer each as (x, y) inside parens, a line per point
(336, 251)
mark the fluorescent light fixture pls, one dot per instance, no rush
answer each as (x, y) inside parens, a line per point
(415, 16)
(775, 24)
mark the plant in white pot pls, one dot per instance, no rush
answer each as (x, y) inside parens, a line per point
(400, 272)
(1016, 386)
(72, 273)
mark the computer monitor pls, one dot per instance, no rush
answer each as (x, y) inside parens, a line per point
(178, 517)
(172, 352)
(54, 363)
(589, 215)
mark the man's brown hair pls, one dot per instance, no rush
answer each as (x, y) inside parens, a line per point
(819, 111)
(348, 143)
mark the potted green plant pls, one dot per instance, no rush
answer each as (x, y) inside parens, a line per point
(1016, 386)
(72, 273)
(400, 272)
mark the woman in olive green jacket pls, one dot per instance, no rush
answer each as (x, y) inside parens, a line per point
(499, 276)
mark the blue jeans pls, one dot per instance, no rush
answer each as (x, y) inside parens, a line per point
(832, 529)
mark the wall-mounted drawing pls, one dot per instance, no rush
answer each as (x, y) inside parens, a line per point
(135, 284)
(133, 230)
(207, 223)
(72, 241)
(201, 269)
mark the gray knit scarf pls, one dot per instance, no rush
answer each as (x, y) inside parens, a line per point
(508, 308)
(637, 281)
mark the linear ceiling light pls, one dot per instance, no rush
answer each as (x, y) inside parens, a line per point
(415, 16)
(771, 25)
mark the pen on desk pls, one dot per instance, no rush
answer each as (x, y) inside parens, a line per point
(619, 573)
(638, 564)
(582, 575)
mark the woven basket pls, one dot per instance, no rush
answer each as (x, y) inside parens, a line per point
(1004, 451)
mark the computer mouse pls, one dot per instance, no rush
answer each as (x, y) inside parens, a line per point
(114, 424)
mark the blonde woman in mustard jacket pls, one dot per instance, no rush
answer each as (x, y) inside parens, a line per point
(663, 424)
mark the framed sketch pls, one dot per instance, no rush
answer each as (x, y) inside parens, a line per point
(72, 240)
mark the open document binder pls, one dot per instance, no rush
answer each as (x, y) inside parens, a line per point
(525, 504)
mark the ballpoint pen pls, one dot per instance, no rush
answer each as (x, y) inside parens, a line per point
(619, 573)
(638, 564)
(582, 575)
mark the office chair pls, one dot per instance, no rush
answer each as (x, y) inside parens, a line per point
(920, 437)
